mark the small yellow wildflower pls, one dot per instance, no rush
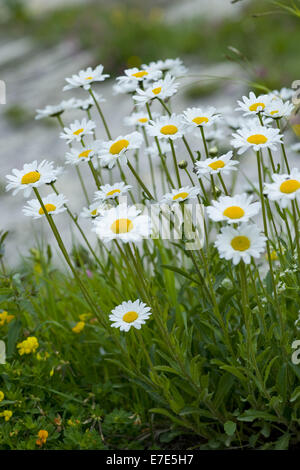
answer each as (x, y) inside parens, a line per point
(28, 346)
(42, 356)
(5, 318)
(6, 414)
(85, 316)
(42, 437)
(1, 396)
(78, 327)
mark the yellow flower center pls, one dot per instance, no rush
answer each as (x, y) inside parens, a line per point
(169, 129)
(129, 317)
(143, 120)
(84, 154)
(274, 112)
(31, 177)
(200, 120)
(254, 106)
(157, 90)
(118, 146)
(79, 131)
(240, 243)
(234, 212)
(94, 212)
(48, 207)
(289, 186)
(140, 74)
(257, 139)
(121, 226)
(89, 78)
(217, 164)
(182, 195)
(112, 192)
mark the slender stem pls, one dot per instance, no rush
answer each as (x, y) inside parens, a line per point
(283, 150)
(101, 114)
(175, 163)
(139, 180)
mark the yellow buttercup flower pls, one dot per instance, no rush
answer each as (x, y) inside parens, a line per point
(28, 346)
(1, 396)
(6, 414)
(42, 437)
(5, 318)
(78, 327)
(85, 316)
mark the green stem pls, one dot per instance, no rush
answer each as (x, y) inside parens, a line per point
(101, 114)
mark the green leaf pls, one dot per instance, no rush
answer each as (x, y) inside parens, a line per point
(230, 428)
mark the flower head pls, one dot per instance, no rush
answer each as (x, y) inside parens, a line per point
(42, 437)
(162, 89)
(138, 119)
(240, 243)
(285, 187)
(236, 209)
(76, 156)
(186, 193)
(78, 327)
(1, 395)
(200, 117)
(32, 175)
(135, 75)
(256, 137)
(28, 346)
(113, 150)
(94, 210)
(112, 191)
(56, 110)
(77, 130)
(130, 314)
(5, 318)
(174, 67)
(211, 166)
(166, 127)
(88, 102)
(277, 109)
(123, 223)
(54, 204)
(84, 78)
(6, 414)
(253, 104)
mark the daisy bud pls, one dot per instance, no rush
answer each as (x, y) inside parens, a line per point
(213, 151)
(183, 164)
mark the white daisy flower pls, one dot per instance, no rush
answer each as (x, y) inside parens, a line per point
(284, 94)
(139, 75)
(240, 243)
(94, 210)
(186, 193)
(123, 223)
(75, 156)
(166, 127)
(284, 188)
(129, 314)
(174, 66)
(113, 150)
(77, 130)
(89, 102)
(196, 117)
(138, 119)
(162, 89)
(253, 104)
(256, 137)
(124, 88)
(112, 191)
(54, 204)
(278, 109)
(235, 209)
(85, 77)
(56, 110)
(211, 166)
(32, 175)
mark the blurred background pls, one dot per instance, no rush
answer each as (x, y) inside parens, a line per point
(229, 47)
